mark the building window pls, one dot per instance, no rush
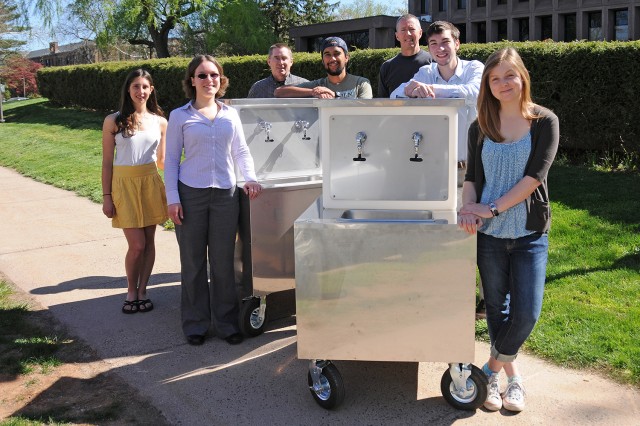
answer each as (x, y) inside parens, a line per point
(463, 32)
(523, 29)
(481, 3)
(546, 28)
(481, 32)
(425, 7)
(502, 30)
(570, 33)
(357, 39)
(621, 18)
(442, 5)
(595, 26)
(462, 4)
(502, 1)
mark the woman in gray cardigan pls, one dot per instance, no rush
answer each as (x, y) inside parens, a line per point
(505, 197)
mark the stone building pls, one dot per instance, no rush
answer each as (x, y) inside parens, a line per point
(482, 21)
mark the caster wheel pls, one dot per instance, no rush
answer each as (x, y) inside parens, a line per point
(250, 322)
(330, 391)
(470, 398)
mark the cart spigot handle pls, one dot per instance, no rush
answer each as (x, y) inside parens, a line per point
(361, 137)
(265, 125)
(416, 138)
(304, 125)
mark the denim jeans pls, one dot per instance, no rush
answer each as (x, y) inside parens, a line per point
(513, 274)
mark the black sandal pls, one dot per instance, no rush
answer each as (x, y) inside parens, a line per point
(144, 305)
(130, 307)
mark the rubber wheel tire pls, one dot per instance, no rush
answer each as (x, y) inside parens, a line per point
(332, 394)
(249, 323)
(477, 382)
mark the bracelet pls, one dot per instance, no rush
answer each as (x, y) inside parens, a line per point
(106, 194)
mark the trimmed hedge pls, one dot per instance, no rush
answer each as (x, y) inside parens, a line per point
(593, 87)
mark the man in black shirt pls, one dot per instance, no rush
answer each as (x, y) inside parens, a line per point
(403, 66)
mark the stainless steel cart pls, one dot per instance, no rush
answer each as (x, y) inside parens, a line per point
(283, 137)
(382, 271)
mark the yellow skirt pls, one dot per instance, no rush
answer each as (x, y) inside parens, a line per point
(138, 196)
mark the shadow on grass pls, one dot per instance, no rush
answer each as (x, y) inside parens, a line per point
(614, 197)
(630, 261)
(48, 113)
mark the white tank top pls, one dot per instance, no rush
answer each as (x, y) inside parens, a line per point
(138, 149)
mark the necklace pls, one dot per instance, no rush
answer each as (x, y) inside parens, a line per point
(139, 119)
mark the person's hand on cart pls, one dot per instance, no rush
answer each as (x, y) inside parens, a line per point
(252, 189)
(468, 221)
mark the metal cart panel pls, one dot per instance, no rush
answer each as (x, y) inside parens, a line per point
(384, 291)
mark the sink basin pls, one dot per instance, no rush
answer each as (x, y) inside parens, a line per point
(366, 215)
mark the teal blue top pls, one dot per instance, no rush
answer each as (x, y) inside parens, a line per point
(504, 165)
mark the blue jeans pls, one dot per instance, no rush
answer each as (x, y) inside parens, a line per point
(513, 273)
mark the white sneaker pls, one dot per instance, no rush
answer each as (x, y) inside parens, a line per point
(513, 397)
(494, 400)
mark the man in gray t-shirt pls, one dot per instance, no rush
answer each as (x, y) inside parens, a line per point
(337, 84)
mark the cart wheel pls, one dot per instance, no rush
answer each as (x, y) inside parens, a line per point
(250, 322)
(471, 398)
(330, 393)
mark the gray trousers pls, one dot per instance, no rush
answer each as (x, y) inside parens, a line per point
(208, 228)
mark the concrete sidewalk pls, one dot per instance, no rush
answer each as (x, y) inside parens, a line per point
(61, 250)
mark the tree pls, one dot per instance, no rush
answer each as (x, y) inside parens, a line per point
(19, 74)
(227, 27)
(361, 9)
(242, 29)
(285, 14)
(139, 22)
(9, 17)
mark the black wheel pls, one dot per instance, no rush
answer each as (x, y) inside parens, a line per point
(470, 398)
(250, 322)
(330, 393)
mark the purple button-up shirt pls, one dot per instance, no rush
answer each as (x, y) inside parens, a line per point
(210, 150)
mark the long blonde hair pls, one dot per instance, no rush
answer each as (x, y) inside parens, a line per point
(489, 106)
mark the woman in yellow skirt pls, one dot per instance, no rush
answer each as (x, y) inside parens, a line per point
(133, 194)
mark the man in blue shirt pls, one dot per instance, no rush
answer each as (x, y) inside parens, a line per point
(447, 77)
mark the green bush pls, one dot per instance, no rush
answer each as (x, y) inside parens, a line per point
(591, 86)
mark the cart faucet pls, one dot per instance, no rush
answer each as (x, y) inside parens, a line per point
(304, 125)
(416, 138)
(361, 137)
(266, 126)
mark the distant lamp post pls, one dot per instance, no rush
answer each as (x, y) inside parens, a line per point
(24, 88)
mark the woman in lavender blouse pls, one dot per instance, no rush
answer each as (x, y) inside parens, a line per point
(203, 201)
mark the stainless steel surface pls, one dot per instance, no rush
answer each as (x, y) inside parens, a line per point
(283, 136)
(384, 291)
(407, 162)
(389, 215)
(383, 102)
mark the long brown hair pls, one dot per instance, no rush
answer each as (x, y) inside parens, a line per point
(125, 120)
(187, 86)
(489, 106)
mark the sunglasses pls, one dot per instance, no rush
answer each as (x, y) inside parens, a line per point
(203, 76)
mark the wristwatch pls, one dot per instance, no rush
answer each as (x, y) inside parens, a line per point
(493, 209)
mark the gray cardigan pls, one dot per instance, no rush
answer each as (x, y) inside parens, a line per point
(545, 137)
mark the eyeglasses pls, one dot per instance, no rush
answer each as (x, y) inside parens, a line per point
(203, 76)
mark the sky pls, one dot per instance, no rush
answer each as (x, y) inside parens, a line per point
(40, 38)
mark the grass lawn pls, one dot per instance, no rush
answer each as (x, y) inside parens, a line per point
(591, 312)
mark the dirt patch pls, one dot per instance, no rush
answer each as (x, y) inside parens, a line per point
(81, 391)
